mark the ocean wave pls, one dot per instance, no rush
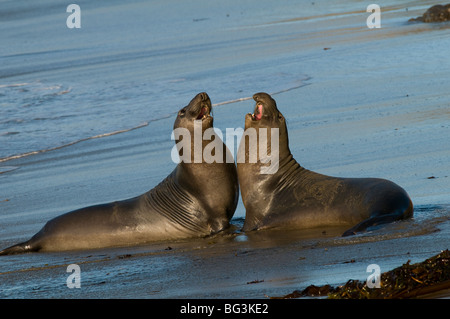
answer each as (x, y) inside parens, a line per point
(250, 97)
(21, 155)
(8, 158)
(13, 85)
(5, 169)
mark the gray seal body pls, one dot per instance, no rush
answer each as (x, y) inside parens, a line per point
(195, 200)
(294, 197)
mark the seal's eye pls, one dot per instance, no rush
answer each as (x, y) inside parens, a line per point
(182, 112)
(280, 117)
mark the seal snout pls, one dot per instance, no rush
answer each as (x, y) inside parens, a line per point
(257, 114)
(204, 108)
(264, 105)
(204, 113)
(259, 98)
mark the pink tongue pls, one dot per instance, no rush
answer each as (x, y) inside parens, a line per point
(259, 115)
(202, 112)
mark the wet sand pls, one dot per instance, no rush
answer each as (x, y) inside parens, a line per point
(374, 104)
(255, 265)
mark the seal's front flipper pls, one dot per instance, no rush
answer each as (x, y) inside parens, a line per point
(373, 221)
(18, 249)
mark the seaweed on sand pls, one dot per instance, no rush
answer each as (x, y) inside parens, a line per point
(406, 281)
(437, 13)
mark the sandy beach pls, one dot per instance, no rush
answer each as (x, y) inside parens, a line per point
(359, 102)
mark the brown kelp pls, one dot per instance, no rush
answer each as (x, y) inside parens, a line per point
(406, 281)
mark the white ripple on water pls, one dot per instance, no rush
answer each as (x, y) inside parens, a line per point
(33, 102)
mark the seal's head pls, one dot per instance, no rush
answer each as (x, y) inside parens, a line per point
(199, 109)
(266, 115)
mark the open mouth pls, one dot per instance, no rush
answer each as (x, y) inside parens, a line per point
(257, 115)
(204, 113)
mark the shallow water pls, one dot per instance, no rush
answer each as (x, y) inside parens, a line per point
(86, 118)
(232, 264)
(75, 84)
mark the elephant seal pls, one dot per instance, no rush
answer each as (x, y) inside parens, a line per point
(196, 199)
(294, 197)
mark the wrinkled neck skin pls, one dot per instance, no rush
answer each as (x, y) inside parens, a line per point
(258, 189)
(207, 186)
(213, 185)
